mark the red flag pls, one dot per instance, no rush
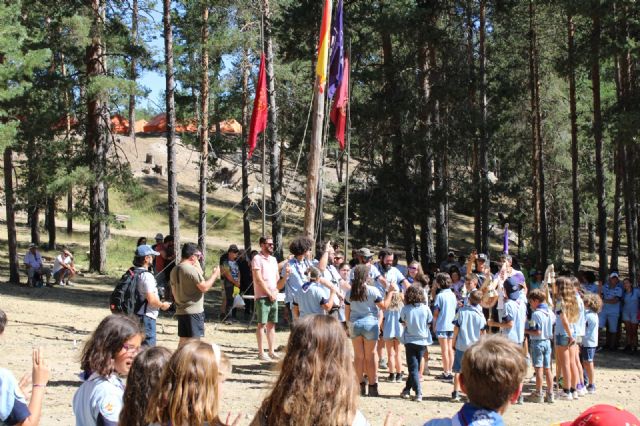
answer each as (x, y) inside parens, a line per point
(260, 109)
(339, 109)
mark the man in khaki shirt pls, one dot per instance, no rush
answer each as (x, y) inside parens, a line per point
(189, 285)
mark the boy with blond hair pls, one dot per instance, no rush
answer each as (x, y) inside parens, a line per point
(493, 363)
(540, 331)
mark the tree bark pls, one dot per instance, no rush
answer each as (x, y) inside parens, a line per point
(275, 168)
(97, 143)
(246, 224)
(597, 135)
(617, 210)
(591, 237)
(574, 144)
(51, 221)
(484, 137)
(132, 69)
(204, 133)
(174, 220)
(10, 205)
(475, 160)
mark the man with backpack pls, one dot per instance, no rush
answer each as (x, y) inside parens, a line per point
(137, 293)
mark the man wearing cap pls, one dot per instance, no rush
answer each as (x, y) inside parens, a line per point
(231, 277)
(449, 262)
(365, 257)
(609, 316)
(188, 286)
(63, 268)
(148, 289)
(35, 267)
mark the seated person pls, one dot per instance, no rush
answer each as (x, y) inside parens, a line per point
(63, 268)
(35, 267)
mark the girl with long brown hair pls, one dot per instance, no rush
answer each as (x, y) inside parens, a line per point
(188, 393)
(145, 373)
(317, 382)
(567, 313)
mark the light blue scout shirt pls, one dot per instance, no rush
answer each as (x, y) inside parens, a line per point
(559, 330)
(580, 324)
(590, 339)
(310, 298)
(416, 320)
(365, 308)
(374, 274)
(515, 311)
(470, 322)
(391, 328)
(630, 305)
(591, 288)
(610, 293)
(98, 401)
(470, 415)
(392, 275)
(542, 319)
(445, 304)
(13, 405)
(297, 277)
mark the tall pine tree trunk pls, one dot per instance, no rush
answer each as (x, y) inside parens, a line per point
(204, 132)
(574, 144)
(132, 69)
(475, 160)
(617, 210)
(484, 137)
(274, 141)
(97, 143)
(51, 222)
(174, 220)
(597, 135)
(10, 205)
(246, 224)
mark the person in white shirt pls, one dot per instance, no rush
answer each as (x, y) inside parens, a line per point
(63, 268)
(35, 267)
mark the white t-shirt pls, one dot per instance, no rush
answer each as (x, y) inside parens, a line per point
(57, 265)
(147, 284)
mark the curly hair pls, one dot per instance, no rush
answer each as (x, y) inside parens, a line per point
(593, 302)
(106, 341)
(145, 373)
(443, 280)
(188, 391)
(566, 299)
(300, 245)
(414, 295)
(359, 283)
(317, 383)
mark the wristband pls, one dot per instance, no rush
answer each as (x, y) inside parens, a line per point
(36, 385)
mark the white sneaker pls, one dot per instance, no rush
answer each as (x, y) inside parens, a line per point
(565, 396)
(264, 357)
(582, 391)
(62, 283)
(70, 284)
(575, 394)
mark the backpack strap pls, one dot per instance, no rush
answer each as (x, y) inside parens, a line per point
(137, 272)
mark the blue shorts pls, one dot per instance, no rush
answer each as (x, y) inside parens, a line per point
(562, 340)
(587, 354)
(540, 353)
(367, 327)
(609, 320)
(631, 317)
(444, 334)
(457, 361)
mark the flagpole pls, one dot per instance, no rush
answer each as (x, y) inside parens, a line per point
(346, 194)
(264, 178)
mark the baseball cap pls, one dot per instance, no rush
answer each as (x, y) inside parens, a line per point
(159, 237)
(512, 288)
(614, 275)
(483, 257)
(32, 245)
(365, 252)
(146, 250)
(451, 253)
(603, 415)
(233, 249)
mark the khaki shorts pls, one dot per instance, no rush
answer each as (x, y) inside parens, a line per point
(266, 311)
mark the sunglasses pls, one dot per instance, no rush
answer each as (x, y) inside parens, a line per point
(412, 268)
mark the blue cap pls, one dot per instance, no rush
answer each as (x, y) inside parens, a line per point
(512, 288)
(146, 250)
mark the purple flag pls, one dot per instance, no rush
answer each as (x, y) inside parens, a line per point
(505, 243)
(336, 66)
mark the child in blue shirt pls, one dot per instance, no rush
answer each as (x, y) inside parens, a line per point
(13, 404)
(610, 314)
(540, 331)
(416, 317)
(391, 333)
(312, 297)
(469, 326)
(490, 386)
(630, 299)
(444, 310)
(593, 305)
(515, 313)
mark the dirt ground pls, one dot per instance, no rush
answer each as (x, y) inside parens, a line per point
(61, 319)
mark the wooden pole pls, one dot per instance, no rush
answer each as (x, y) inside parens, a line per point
(315, 154)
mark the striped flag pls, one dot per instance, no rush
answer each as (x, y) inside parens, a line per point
(323, 46)
(337, 52)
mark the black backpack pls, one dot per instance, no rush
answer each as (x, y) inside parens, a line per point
(125, 298)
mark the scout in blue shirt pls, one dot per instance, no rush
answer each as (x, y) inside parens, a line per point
(610, 314)
(630, 299)
(593, 305)
(444, 310)
(540, 330)
(469, 325)
(312, 298)
(515, 313)
(294, 271)
(14, 408)
(479, 377)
